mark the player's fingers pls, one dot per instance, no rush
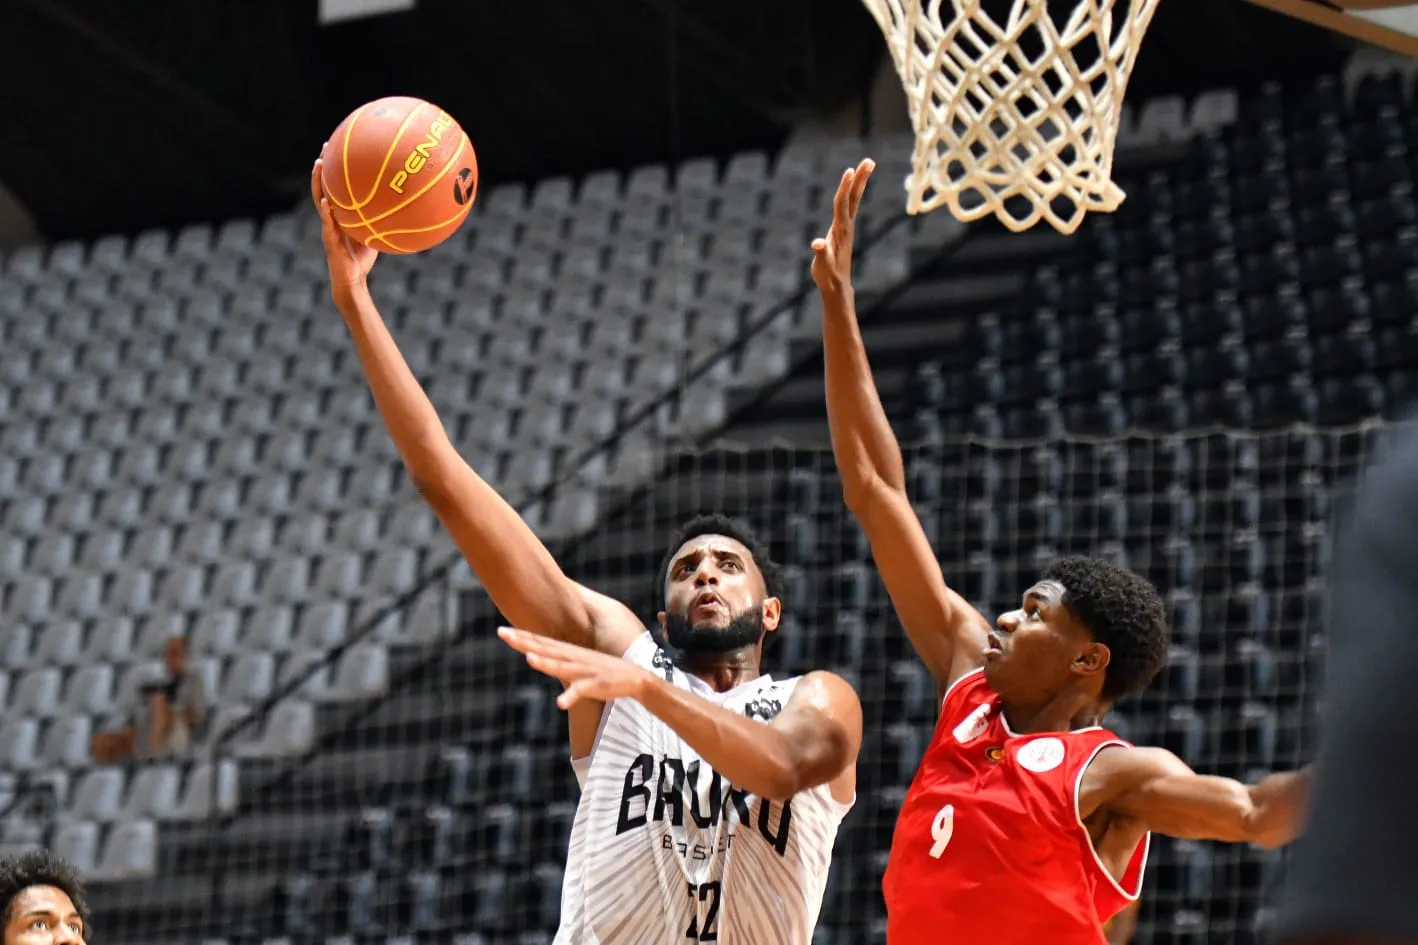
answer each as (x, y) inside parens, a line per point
(552, 666)
(571, 695)
(516, 639)
(330, 233)
(859, 182)
(819, 246)
(839, 201)
(524, 641)
(317, 188)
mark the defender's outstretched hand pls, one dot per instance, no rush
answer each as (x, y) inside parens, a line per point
(349, 262)
(832, 254)
(585, 673)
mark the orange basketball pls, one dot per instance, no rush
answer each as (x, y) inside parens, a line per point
(400, 175)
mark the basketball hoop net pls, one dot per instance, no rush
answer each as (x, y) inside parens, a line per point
(1015, 114)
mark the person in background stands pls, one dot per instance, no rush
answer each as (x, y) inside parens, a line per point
(164, 715)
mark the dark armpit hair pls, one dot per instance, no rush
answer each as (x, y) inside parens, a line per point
(40, 868)
(719, 524)
(1124, 612)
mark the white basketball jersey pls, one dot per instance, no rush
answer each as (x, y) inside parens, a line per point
(664, 851)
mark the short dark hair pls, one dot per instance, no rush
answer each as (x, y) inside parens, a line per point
(40, 868)
(735, 528)
(1124, 612)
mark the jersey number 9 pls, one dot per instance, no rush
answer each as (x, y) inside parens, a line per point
(942, 829)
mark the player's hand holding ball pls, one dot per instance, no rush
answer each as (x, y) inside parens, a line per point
(349, 262)
(397, 176)
(586, 673)
(832, 254)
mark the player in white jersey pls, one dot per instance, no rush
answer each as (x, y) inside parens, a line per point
(773, 762)
(709, 826)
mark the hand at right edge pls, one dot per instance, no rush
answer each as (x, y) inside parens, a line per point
(349, 262)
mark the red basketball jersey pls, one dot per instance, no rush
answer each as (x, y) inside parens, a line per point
(989, 848)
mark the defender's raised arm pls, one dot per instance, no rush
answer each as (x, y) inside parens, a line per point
(947, 632)
(519, 573)
(1158, 789)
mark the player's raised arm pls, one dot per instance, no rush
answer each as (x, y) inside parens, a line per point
(946, 631)
(814, 740)
(1157, 789)
(520, 575)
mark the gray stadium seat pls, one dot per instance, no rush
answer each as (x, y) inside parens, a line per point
(289, 732)
(77, 843)
(253, 537)
(19, 742)
(201, 797)
(132, 592)
(98, 796)
(129, 852)
(305, 536)
(309, 671)
(60, 644)
(184, 588)
(360, 531)
(152, 548)
(201, 542)
(270, 628)
(80, 596)
(152, 792)
(216, 633)
(12, 556)
(285, 581)
(321, 626)
(102, 551)
(171, 504)
(37, 692)
(66, 742)
(251, 678)
(234, 585)
(340, 576)
(362, 673)
(15, 646)
(90, 690)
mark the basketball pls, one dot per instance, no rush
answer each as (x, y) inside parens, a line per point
(400, 175)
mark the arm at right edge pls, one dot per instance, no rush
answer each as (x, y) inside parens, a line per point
(519, 573)
(946, 631)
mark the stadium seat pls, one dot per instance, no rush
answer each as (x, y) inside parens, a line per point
(129, 852)
(98, 796)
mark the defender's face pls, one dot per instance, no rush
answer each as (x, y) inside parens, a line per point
(1032, 649)
(44, 915)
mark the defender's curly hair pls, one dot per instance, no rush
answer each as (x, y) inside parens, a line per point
(735, 528)
(40, 868)
(1124, 612)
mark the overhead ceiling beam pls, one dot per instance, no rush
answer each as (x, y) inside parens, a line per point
(1376, 22)
(251, 156)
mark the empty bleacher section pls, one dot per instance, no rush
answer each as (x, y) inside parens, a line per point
(189, 447)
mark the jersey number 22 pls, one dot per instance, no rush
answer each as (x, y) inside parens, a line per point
(707, 893)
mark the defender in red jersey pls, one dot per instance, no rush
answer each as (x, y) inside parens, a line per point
(1027, 822)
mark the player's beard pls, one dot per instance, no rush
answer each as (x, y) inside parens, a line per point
(745, 629)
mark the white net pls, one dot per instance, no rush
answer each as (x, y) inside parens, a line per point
(1015, 109)
(439, 811)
